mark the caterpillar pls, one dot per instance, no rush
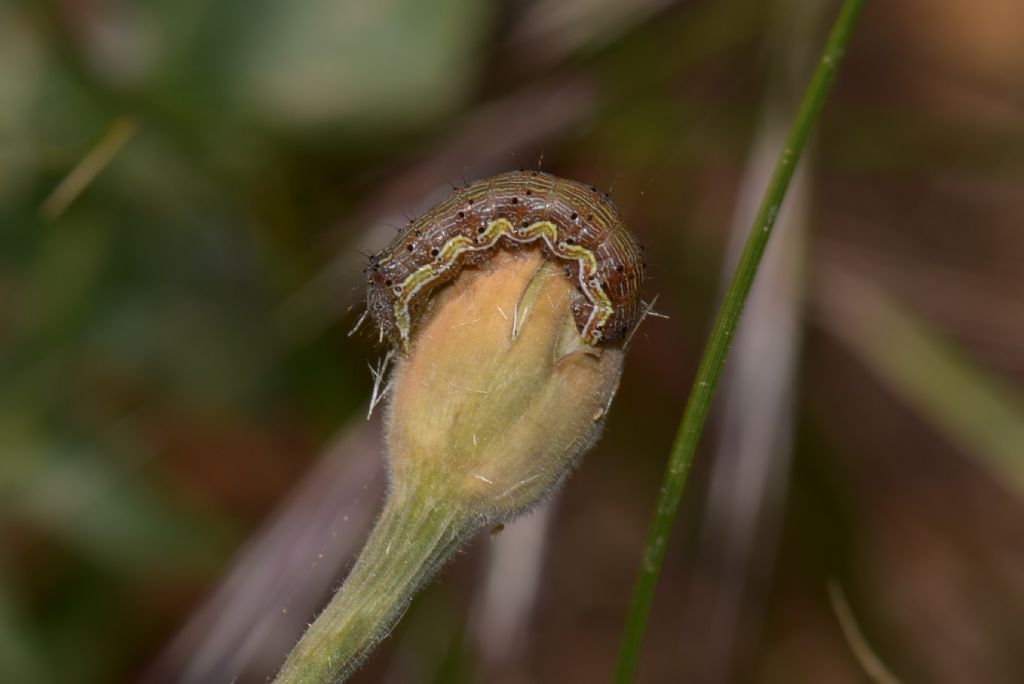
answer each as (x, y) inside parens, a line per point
(571, 222)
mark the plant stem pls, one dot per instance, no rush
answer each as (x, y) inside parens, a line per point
(413, 537)
(717, 348)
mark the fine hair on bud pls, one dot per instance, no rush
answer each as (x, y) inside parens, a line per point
(500, 395)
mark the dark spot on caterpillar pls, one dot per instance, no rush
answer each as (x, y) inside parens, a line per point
(387, 282)
(608, 305)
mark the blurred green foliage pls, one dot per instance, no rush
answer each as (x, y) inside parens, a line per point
(152, 299)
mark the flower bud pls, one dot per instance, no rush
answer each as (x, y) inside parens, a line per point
(499, 394)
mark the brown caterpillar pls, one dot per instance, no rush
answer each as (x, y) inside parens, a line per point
(569, 221)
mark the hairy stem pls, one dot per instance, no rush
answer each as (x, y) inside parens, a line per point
(411, 540)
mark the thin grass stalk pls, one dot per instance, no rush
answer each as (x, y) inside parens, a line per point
(695, 414)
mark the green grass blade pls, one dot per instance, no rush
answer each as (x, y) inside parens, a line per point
(717, 347)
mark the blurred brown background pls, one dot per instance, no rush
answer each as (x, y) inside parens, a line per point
(186, 469)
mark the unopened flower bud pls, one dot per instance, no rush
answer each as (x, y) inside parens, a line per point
(499, 395)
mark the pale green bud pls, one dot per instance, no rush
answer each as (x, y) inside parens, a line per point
(499, 395)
